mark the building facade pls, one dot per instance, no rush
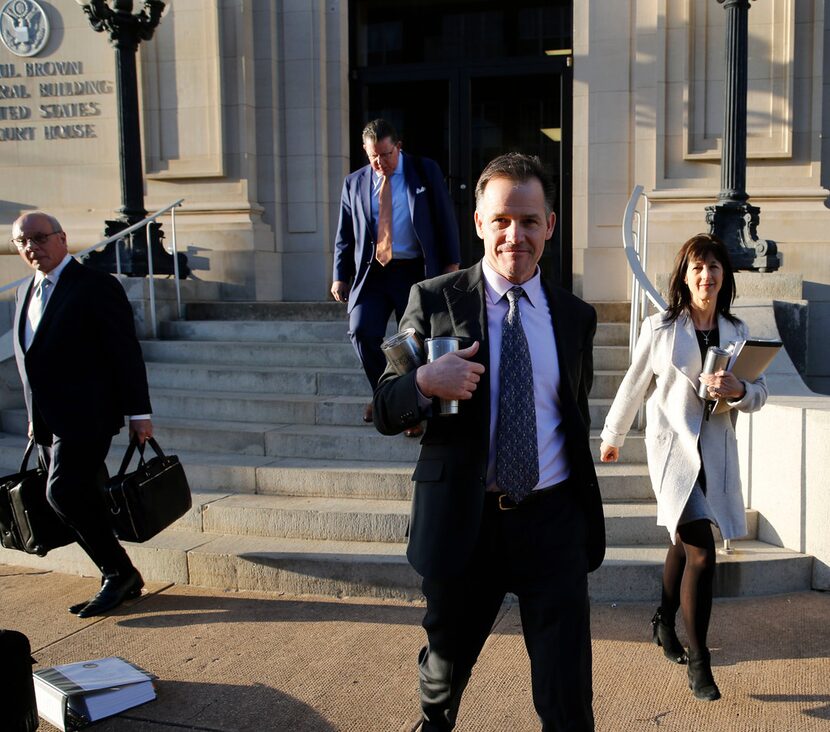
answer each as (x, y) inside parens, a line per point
(251, 111)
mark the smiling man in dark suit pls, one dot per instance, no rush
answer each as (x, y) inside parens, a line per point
(396, 227)
(82, 372)
(506, 496)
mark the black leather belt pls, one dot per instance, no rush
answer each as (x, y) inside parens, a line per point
(506, 503)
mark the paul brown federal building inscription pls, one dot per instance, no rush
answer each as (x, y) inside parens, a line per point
(42, 101)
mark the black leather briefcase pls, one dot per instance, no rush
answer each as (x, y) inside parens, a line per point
(148, 500)
(33, 527)
(19, 713)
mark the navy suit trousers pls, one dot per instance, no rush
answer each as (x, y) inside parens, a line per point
(386, 290)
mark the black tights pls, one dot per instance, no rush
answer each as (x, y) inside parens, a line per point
(687, 580)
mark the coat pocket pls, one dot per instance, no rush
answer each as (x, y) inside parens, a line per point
(428, 471)
(658, 452)
(731, 468)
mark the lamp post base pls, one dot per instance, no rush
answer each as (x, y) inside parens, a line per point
(737, 225)
(132, 252)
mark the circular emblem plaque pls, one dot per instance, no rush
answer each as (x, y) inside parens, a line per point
(24, 27)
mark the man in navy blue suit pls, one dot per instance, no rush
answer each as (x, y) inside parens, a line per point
(381, 250)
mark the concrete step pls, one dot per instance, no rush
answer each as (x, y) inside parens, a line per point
(635, 524)
(225, 440)
(295, 409)
(607, 311)
(755, 568)
(340, 443)
(376, 569)
(250, 416)
(611, 334)
(261, 380)
(273, 331)
(290, 517)
(266, 311)
(624, 482)
(605, 383)
(373, 520)
(634, 450)
(252, 354)
(611, 358)
(241, 438)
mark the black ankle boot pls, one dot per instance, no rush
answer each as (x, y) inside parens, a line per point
(663, 634)
(701, 681)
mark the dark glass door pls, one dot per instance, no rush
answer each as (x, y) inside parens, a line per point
(464, 109)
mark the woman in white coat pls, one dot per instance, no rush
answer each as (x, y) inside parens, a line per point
(692, 457)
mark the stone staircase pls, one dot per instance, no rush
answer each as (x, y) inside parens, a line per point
(293, 493)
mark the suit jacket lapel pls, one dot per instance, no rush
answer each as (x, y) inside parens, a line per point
(410, 176)
(685, 353)
(563, 336)
(365, 192)
(468, 316)
(24, 292)
(466, 306)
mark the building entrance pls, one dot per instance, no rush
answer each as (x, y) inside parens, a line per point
(463, 82)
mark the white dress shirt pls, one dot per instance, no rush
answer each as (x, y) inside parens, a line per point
(33, 318)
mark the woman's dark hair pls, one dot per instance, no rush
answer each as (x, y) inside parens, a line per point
(699, 247)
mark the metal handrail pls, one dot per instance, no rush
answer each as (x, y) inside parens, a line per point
(635, 243)
(119, 237)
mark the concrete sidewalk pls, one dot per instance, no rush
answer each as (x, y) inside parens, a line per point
(254, 661)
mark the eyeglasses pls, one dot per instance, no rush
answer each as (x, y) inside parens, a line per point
(37, 240)
(384, 156)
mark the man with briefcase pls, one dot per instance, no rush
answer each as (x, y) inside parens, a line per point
(82, 372)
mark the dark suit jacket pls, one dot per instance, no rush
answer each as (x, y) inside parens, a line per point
(84, 370)
(354, 245)
(452, 467)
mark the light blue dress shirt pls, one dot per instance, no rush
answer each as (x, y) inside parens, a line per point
(405, 243)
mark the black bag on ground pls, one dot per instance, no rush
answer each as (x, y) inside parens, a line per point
(19, 713)
(27, 521)
(148, 500)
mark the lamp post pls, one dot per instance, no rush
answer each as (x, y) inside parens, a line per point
(732, 218)
(126, 30)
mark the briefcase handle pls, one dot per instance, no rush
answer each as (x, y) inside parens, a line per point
(24, 466)
(128, 456)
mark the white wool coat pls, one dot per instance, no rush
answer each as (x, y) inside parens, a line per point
(664, 371)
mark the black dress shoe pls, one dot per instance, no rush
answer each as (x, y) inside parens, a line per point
(113, 592)
(78, 606)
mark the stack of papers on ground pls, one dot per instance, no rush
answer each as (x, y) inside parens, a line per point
(73, 695)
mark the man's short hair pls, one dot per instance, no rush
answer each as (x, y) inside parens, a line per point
(53, 222)
(379, 129)
(519, 168)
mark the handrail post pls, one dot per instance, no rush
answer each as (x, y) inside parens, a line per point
(152, 279)
(118, 245)
(176, 265)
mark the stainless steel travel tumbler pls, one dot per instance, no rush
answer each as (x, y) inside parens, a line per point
(437, 347)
